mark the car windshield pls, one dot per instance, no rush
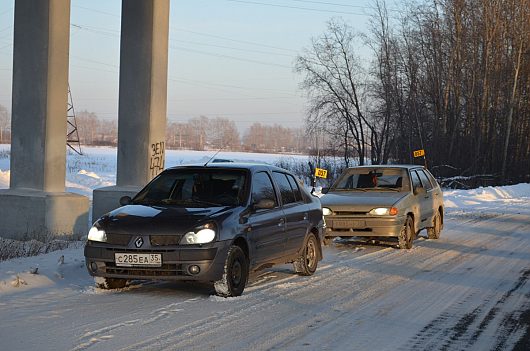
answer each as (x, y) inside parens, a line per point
(376, 179)
(195, 188)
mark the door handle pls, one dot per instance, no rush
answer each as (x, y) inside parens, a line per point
(305, 216)
(282, 222)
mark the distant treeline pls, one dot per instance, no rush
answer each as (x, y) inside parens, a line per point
(196, 134)
(202, 134)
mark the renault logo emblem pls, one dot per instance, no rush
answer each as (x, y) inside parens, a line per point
(139, 242)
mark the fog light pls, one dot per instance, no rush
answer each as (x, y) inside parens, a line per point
(194, 269)
(93, 267)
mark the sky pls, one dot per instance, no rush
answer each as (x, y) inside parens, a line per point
(227, 58)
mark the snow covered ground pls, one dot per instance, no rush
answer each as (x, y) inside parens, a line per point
(468, 290)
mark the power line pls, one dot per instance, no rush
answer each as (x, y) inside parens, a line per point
(295, 7)
(230, 57)
(233, 40)
(114, 34)
(342, 5)
(198, 33)
(230, 47)
(97, 11)
(207, 85)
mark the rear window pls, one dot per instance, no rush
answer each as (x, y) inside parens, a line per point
(286, 191)
(375, 179)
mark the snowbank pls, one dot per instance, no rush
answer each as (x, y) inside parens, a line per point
(509, 193)
(64, 267)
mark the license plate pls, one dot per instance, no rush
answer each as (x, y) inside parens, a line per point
(346, 224)
(137, 259)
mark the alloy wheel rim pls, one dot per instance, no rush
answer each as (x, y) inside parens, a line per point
(311, 254)
(236, 273)
(409, 234)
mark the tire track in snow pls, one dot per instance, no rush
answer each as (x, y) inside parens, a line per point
(93, 337)
(448, 332)
(185, 336)
(308, 292)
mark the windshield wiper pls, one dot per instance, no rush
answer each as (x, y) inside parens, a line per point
(349, 189)
(382, 188)
(206, 202)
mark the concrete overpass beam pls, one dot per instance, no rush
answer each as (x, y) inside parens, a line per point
(143, 100)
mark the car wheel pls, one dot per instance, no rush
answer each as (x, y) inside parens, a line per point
(110, 283)
(406, 235)
(307, 263)
(434, 231)
(235, 274)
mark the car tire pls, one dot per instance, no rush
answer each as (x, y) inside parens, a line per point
(406, 235)
(434, 231)
(110, 283)
(306, 263)
(235, 274)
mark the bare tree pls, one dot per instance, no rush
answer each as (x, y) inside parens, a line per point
(332, 80)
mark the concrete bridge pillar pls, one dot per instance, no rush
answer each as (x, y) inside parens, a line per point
(36, 204)
(142, 100)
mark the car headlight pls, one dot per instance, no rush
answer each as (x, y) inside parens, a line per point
(384, 211)
(97, 234)
(326, 211)
(201, 235)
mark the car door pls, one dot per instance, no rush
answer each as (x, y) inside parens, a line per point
(426, 199)
(436, 194)
(295, 210)
(418, 194)
(266, 227)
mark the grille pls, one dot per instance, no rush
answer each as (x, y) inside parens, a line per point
(142, 250)
(118, 239)
(165, 240)
(349, 213)
(166, 270)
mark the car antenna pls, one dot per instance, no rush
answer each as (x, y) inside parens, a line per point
(211, 158)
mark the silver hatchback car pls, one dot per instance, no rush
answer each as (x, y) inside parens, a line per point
(384, 201)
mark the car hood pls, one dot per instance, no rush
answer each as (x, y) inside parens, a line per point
(360, 201)
(159, 220)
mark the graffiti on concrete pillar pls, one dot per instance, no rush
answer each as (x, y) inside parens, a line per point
(157, 158)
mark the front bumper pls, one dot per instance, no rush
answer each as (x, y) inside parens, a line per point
(176, 261)
(348, 226)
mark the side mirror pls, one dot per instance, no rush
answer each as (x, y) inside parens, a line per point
(125, 200)
(264, 204)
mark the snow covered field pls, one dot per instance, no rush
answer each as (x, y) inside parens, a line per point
(97, 167)
(468, 290)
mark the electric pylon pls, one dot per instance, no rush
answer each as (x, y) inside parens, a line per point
(72, 135)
